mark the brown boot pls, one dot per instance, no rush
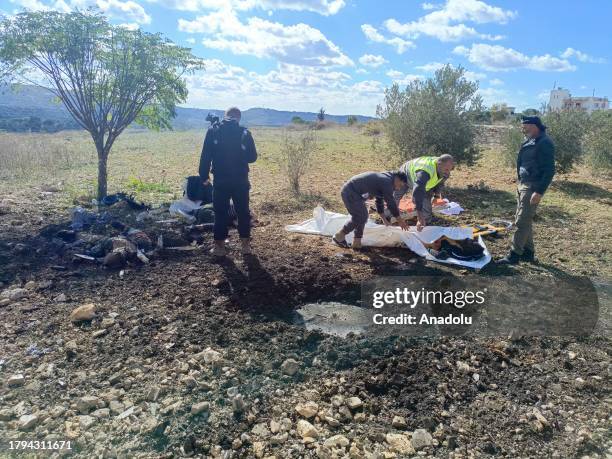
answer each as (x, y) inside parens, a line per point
(218, 249)
(356, 243)
(245, 246)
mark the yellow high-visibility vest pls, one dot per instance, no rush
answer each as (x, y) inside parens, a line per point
(427, 164)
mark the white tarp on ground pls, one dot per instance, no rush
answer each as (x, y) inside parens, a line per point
(328, 223)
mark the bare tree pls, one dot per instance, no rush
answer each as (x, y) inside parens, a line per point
(106, 76)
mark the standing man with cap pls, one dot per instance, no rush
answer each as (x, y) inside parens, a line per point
(535, 168)
(228, 149)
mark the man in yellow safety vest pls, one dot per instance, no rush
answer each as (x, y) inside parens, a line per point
(426, 177)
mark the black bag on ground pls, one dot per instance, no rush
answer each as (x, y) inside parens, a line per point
(463, 249)
(197, 191)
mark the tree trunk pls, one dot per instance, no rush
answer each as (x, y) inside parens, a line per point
(102, 175)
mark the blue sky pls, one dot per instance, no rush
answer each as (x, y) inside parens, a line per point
(341, 54)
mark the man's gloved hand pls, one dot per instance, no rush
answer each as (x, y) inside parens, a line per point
(402, 223)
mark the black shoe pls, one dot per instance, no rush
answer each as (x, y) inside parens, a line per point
(528, 256)
(511, 259)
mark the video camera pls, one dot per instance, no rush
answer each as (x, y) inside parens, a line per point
(212, 119)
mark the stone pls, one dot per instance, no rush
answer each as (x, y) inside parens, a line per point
(259, 448)
(83, 312)
(198, 408)
(462, 366)
(307, 410)
(116, 407)
(107, 322)
(86, 421)
(399, 422)
(354, 403)
(290, 367)
(306, 429)
(238, 405)
(30, 285)
(27, 421)
(17, 380)
(126, 413)
(101, 413)
(421, 439)
(279, 439)
(260, 430)
(339, 441)
(61, 298)
(14, 294)
(400, 443)
(87, 403)
(6, 414)
(208, 355)
(274, 426)
(99, 333)
(153, 393)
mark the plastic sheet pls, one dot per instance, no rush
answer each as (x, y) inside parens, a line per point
(328, 223)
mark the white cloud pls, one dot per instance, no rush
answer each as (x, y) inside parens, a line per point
(496, 82)
(371, 60)
(403, 79)
(191, 40)
(474, 76)
(398, 43)
(428, 6)
(129, 11)
(288, 87)
(582, 57)
(324, 7)
(294, 44)
(430, 67)
(492, 96)
(446, 22)
(498, 58)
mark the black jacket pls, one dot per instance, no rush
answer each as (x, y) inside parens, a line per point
(535, 165)
(228, 149)
(377, 185)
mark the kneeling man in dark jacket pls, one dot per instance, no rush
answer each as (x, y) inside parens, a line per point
(355, 192)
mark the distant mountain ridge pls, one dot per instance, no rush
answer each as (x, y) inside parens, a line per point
(32, 101)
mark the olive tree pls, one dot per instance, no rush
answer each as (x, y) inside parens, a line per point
(598, 142)
(106, 76)
(432, 116)
(567, 129)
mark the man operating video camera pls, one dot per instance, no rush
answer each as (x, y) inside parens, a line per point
(228, 149)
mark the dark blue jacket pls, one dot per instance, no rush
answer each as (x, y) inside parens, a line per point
(535, 164)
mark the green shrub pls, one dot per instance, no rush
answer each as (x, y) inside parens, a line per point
(139, 185)
(598, 143)
(511, 144)
(373, 128)
(297, 149)
(351, 120)
(566, 129)
(432, 116)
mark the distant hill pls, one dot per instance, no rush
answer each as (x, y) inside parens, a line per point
(33, 108)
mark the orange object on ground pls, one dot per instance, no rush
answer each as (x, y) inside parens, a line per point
(406, 204)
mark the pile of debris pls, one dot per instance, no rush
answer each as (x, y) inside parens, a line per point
(120, 231)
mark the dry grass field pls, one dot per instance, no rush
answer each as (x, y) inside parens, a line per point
(191, 356)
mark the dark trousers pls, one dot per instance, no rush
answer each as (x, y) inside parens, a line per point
(356, 206)
(239, 194)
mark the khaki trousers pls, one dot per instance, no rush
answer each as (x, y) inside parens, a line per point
(525, 212)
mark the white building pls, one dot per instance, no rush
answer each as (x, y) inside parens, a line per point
(561, 99)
